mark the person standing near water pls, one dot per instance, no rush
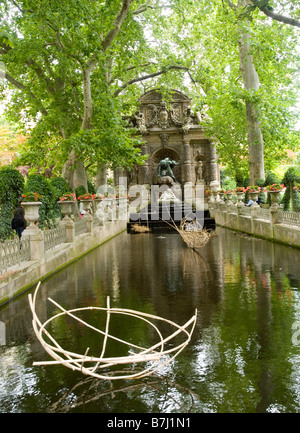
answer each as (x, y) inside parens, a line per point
(18, 222)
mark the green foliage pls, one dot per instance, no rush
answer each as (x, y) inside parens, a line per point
(80, 190)
(46, 46)
(261, 183)
(207, 36)
(291, 176)
(271, 178)
(11, 185)
(59, 186)
(91, 187)
(291, 198)
(51, 46)
(11, 188)
(49, 210)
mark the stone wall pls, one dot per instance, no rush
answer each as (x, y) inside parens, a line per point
(273, 224)
(44, 262)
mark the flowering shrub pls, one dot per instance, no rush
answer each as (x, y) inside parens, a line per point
(240, 189)
(68, 197)
(208, 193)
(296, 188)
(87, 196)
(253, 188)
(31, 196)
(275, 187)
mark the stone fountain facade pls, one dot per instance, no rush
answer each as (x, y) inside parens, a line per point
(172, 130)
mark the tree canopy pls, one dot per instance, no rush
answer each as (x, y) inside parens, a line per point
(74, 67)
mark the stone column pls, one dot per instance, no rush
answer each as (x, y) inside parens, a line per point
(70, 229)
(36, 241)
(273, 214)
(144, 169)
(89, 222)
(187, 161)
(214, 181)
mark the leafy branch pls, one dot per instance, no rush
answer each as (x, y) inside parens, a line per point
(263, 6)
(153, 75)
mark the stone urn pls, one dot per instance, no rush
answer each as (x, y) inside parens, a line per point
(240, 196)
(216, 196)
(211, 199)
(221, 195)
(31, 212)
(229, 201)
(96, 201)
(66, 207)
(275, 197)
(254, 197)
(108, 208)
(86, 204)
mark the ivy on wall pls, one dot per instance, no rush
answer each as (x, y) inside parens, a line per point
(11, 188)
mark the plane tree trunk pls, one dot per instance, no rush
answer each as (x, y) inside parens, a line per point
(251, 83)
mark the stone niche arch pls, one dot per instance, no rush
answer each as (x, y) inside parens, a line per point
(161, 153)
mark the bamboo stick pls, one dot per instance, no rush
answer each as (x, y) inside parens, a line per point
(155, 356)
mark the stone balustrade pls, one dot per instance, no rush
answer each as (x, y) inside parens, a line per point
(269, 223)
(13, 252)
(42, 252)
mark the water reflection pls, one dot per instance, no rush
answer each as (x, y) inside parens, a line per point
(241, 358)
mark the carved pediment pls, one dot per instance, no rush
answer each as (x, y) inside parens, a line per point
(155, 112)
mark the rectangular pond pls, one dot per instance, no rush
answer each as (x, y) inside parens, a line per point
(244, 355)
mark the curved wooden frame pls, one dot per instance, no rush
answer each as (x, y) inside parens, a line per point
(157, 355)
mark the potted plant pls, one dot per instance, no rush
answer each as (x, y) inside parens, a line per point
(228, 194)
(209, 196)
(86, 200)
(31, 202)
(87, 196)
(66, 201)
(275, 189)
(221, 194)
(240, 191)
(254, 191)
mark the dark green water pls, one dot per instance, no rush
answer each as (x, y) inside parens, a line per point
(245, 351)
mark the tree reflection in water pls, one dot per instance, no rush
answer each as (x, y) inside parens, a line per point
(158, 393)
